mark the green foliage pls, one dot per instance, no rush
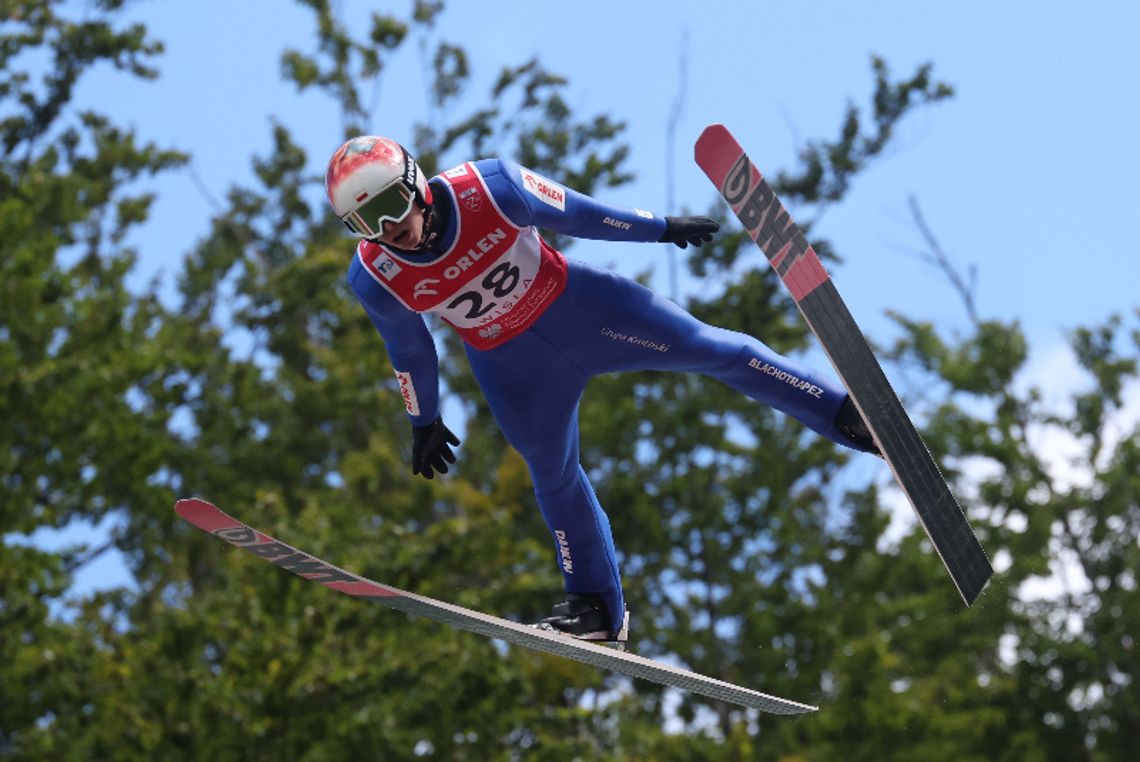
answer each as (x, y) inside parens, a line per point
(748, 553)
(827, 167)
(77, 352)
(1066, 662)
(348, 59)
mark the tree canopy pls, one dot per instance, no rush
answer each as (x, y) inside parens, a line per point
(748, 553)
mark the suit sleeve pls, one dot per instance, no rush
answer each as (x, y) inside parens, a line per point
(528, 198)
(410, 346)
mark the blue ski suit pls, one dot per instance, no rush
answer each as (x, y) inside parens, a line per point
(537, 326)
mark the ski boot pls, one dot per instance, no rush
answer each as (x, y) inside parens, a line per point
(584, 616)
(851, 425)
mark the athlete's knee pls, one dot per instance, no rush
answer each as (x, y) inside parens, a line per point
(552, 479)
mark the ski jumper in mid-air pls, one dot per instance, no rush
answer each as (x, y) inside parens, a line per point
(537, 326)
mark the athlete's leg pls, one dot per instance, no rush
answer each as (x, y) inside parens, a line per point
(533, 390)
(620, 325)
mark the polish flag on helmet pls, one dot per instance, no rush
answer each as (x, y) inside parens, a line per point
(366, 165)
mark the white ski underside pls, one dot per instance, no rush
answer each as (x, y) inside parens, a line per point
(213, 520)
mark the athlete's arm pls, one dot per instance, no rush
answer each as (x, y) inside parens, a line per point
(408, 341)
(528, 198)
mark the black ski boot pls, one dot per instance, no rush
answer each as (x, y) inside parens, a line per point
(584, 616)
(851, 425)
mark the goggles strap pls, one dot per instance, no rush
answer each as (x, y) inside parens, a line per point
(409, 178)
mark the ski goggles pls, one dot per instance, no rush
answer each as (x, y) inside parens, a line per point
(389, 205)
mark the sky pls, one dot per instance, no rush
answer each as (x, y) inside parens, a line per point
(1030, 174)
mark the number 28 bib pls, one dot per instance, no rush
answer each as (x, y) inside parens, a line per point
(494, 281)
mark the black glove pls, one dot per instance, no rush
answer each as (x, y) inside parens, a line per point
(685, 230)
(431, 448)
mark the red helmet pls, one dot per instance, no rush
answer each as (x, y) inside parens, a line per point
(371, 180)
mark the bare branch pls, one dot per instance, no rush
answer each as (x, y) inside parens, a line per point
(966, 287)
(670, 140)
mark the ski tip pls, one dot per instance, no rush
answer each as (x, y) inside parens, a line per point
(715, 131)
(717, 152)
(186, 506)
(205, 515)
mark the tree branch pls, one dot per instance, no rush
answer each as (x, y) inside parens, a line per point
(966, 287)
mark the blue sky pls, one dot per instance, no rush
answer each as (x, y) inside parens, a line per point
(1031, 172)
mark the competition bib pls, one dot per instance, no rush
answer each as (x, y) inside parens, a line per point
(492, 283)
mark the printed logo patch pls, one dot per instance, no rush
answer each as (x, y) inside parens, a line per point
(782, 375)
(408, 392)
(386, 266)
(564, 551)
(424, 288)
(492, 331)
(546, 191)
(472, 199)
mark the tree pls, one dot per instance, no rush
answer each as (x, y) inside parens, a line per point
(75, 347)
(746, 553)
(303, 428)
(1018, 676)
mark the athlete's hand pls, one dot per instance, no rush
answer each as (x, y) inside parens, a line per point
(685, 230)
(431, 448)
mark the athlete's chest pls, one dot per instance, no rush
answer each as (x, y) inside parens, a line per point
(486, 265)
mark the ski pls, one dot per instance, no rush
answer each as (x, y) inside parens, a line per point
(213, 520)
(783, 243)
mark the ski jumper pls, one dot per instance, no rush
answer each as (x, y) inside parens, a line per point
(537, 326)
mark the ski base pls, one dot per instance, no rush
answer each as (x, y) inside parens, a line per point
(213, 520)
(783, 243)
